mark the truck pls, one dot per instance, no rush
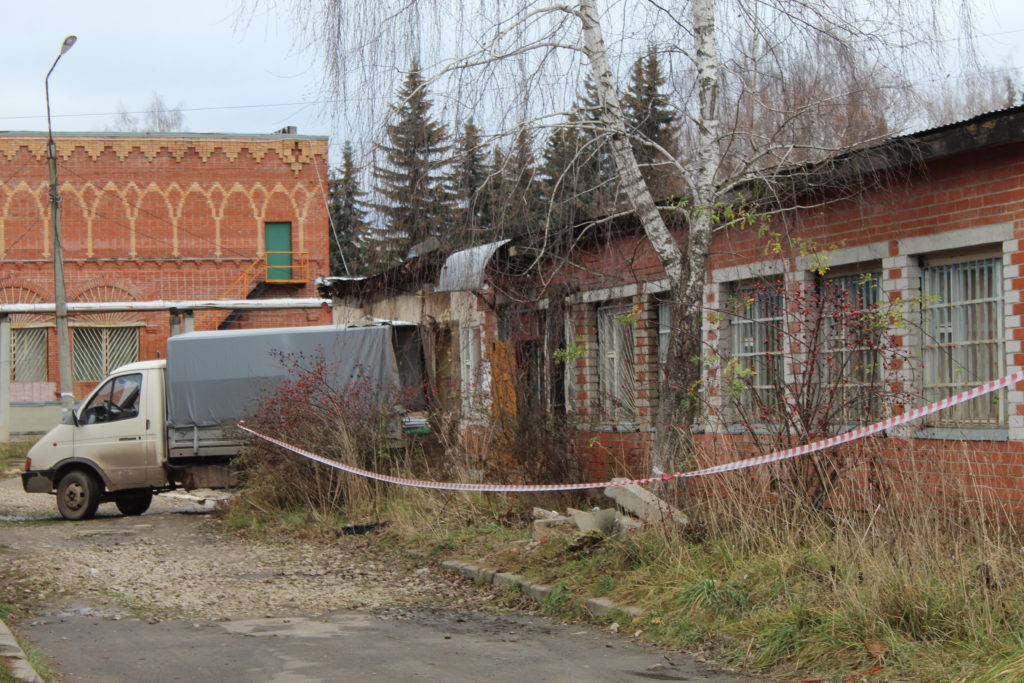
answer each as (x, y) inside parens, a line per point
(159, 425)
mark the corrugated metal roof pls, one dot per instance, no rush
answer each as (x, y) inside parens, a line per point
(464, 270)
(977, 118)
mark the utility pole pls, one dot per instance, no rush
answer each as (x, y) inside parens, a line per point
(60, 300)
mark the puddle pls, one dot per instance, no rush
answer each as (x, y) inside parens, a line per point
(24, 518)
(92, 612)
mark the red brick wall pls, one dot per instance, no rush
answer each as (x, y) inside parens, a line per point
(972, 189)
(932, 473)
(605, 455)
(966, 191)
(160, 218)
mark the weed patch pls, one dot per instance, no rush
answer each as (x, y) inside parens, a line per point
(772, 574)
(12, 456)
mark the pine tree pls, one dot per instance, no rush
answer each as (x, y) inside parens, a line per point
(470, 190)
(348, 220)
(411, 177)
(650, 117)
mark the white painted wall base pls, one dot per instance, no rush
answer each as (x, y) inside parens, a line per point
(33, 419)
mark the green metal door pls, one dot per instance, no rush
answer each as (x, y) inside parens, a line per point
(279, 248)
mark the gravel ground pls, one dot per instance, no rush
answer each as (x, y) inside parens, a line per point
(174, 561)
(169, 596)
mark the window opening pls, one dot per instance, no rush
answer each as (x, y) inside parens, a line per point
(963, 339)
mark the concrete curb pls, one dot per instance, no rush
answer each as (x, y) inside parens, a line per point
(537, 592)
(14, 657)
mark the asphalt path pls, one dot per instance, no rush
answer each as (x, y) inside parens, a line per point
(111, 632)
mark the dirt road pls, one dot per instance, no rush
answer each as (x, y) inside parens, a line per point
(168, 596)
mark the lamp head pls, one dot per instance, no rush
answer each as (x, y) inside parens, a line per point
(68, 42)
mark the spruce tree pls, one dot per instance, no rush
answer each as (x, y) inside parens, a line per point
(568, 174)
(520, 209)
(348, 220)
(472, 195)
(598, 164)
(650, 117)
(411, 176)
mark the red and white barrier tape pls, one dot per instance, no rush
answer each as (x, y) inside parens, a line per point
(832, 441)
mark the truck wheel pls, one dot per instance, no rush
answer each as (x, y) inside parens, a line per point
(78, 495)
(131, 504)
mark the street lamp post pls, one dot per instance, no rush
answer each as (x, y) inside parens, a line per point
(59, 296)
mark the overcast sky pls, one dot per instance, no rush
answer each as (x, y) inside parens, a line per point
(226, 77)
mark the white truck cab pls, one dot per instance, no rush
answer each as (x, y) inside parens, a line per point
(110, 448)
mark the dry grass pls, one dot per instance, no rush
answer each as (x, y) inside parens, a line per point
(894, 570)
(911, 587)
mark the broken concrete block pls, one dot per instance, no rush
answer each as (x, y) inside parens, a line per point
(627, 524)
(640, 502)
(559, 527)
(541, 513)
(597, 520)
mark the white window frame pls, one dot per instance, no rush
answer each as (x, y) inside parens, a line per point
(616, 371)
(963, 338)
(754, 342)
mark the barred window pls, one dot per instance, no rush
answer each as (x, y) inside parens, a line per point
(851, 363)
(963, 338)
(616, 381)
(95, 351)
(28, 354)
(755, 343)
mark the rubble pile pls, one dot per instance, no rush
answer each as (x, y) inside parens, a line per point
(636, 507)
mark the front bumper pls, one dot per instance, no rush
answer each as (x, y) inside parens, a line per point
(39, 481)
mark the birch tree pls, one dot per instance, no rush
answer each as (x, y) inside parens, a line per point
(524, 60)
(158, 117)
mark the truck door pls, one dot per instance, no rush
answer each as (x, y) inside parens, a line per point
(112, 432)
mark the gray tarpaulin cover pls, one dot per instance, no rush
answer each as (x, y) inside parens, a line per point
(219, 377)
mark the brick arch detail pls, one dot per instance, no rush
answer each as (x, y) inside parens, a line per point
(106, 282)
(109, 193)
(89, 197)
(103, 286)
(158, 193)
(302, 200)
(23, 188)
(192, 237)
(12, 292)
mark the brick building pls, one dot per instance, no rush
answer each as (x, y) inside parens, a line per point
(932, 222)
(175, 216)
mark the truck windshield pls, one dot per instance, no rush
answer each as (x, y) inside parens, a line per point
(117, 399)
